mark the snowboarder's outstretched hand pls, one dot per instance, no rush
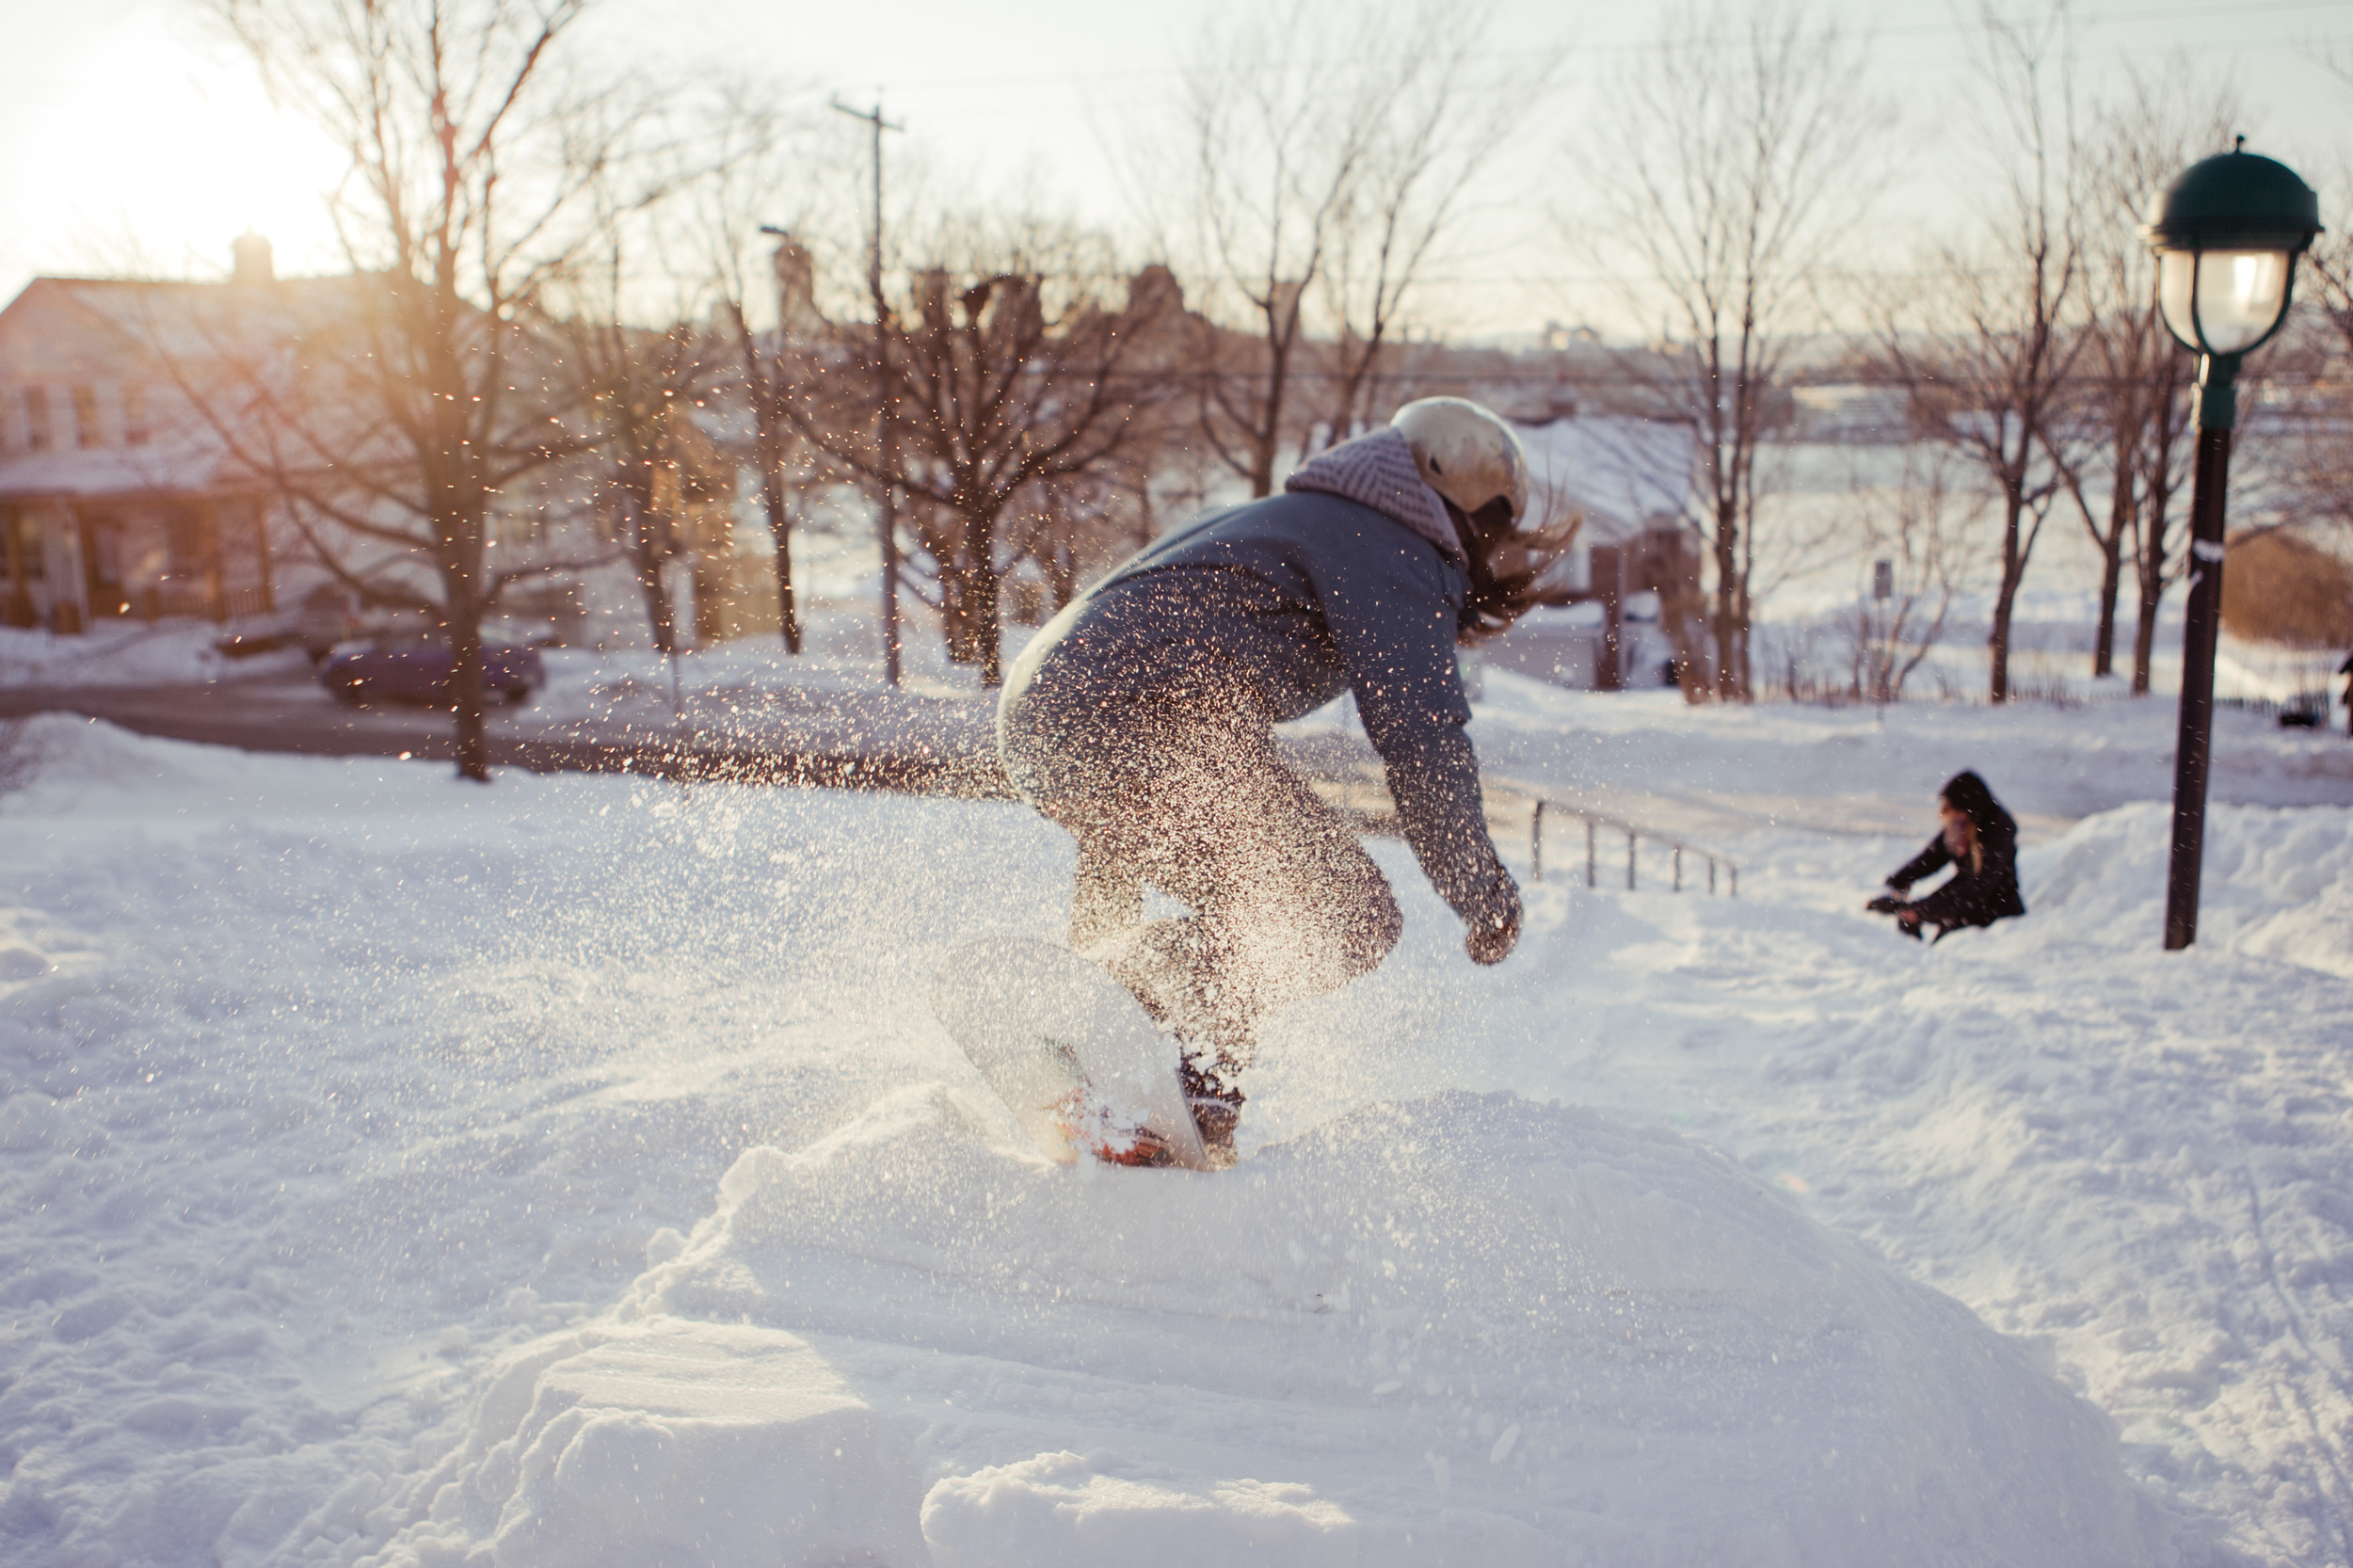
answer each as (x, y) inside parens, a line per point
(1497, 931)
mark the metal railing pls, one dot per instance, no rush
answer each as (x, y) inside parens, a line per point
(1594, 822)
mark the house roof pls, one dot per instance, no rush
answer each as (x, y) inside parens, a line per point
(1620, 473)
(178, 469)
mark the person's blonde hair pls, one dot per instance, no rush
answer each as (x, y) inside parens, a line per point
(1507, 567)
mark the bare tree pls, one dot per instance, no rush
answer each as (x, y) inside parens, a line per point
(1276, 134)
(2320, 453)
(477, 157)
(1990, 373)
(1067, 526)
(1728, 164)
(641, 386)
(1923, 534)
(757, 192)
(1007, 367)
(1443, 112)
(2132, 382)
(2331, 261)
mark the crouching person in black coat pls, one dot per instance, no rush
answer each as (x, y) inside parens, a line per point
(1979, 840)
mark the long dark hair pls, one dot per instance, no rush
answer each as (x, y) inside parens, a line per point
(1970, 795)
(1505, 566)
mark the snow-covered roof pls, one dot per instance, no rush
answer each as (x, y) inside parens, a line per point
(176, 470)
(1620, 473)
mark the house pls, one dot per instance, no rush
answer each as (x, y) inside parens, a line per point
(1633, 569)
(157, 437)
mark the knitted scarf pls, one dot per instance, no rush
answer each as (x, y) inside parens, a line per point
(1377, 470)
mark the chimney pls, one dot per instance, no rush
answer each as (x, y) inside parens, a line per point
(252, 259)
(796, 289)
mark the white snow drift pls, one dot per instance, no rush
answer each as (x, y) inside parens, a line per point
(1475, 1330)
(570, 1172)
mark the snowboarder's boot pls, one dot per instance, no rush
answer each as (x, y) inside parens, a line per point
(1144, 1147)
(1215, 1103)
(1090, 1126)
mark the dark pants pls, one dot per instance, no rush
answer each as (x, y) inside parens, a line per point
(1285, 903)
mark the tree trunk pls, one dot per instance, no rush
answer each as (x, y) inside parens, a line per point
(2149, 564)
(787, 613)
(2145, 638)
(768, 442)
(1997, 651)
(1268, 438)
(1731, 669)
(2111, 582)
(1062, 576)
(648, 558)
(780, 529)
(2013, 573)
(988, 627)
(465, 641)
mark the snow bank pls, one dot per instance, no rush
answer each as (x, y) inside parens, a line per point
(1652, 755)
(169, 652)
(718, 1443)
(350, 1123)
(2276, 884)
(1457, 1329)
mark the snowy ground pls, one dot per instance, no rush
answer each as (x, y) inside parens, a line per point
(570, 1171)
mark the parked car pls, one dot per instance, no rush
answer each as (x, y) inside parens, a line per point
(417, 666)
(328, 615)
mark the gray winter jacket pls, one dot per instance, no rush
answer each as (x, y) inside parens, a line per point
(1272, 608)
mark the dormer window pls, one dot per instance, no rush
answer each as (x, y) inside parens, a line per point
(87, 432)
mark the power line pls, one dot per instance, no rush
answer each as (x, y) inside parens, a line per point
(2232, 9)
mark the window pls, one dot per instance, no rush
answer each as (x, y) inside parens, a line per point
(26, 549)
(37, 418)
(86, 429)
(134, 414)
(187, 542)
(103, 540)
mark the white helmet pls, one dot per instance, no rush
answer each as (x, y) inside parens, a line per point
(1465, 454)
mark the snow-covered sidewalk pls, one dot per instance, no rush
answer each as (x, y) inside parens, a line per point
(569, 1171)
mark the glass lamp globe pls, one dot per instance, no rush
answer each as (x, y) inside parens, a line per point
(2227, 232)
(2223, 301)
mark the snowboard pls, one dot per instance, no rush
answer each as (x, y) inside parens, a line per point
(1082, 1065)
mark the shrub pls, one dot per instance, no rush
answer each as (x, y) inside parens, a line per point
(2279, 588)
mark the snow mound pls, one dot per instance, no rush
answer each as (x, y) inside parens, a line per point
(62, 756)
(117, 655)
(2276, 884)
(1459, 1328)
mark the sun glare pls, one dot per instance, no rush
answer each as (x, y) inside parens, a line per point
(143, 155)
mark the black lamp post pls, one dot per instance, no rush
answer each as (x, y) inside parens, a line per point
(2227, 232)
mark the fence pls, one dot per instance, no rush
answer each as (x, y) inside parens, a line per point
(2308, 709)
(1594, 822)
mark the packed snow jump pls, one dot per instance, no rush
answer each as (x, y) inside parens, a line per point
(1141, 719)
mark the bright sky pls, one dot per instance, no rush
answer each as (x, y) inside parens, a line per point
(131, 140)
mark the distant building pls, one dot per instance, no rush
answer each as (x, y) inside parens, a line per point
(1626, 593)
(115, 499)
(1851, 413)
(139, 472)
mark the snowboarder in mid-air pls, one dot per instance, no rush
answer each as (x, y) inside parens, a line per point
(1979, 840)
(1139, 719)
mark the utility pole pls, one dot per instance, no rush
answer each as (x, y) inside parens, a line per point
(887, 520)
